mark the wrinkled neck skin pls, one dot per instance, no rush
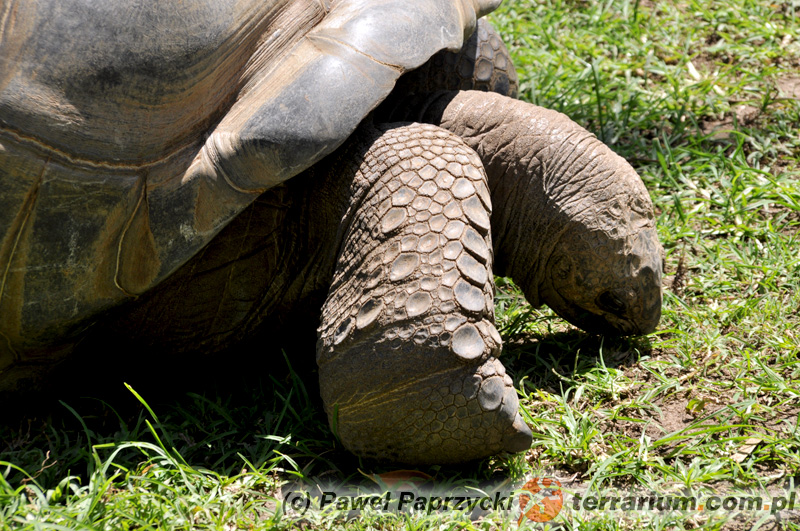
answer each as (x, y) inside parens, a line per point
(572, 223)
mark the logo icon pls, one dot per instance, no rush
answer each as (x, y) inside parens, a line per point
(544, 501)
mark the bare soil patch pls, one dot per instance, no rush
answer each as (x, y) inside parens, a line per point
(741, 115)
(789, 87)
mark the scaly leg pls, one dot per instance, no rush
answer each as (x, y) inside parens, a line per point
(407, 346)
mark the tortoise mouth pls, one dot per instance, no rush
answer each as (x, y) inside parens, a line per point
(599, 319)
(618, 311)
(606, 325)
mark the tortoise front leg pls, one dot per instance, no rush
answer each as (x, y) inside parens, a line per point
(407, 346)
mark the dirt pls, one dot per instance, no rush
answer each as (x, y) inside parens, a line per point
(742, 115)
(789, 87)
(674, 418)
(679, 280)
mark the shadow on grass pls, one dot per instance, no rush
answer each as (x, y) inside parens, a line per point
(241, 419)
(545, 361)
(216, 413)
(227, 414)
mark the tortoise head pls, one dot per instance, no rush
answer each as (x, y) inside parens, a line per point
(604, 273)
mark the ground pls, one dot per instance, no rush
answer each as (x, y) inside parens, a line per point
(703, 98)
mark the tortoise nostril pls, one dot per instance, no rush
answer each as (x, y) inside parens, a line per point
(609, 302)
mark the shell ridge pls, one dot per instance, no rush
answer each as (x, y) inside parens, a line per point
(128, 223)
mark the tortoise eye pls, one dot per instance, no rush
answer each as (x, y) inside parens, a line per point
(609, 302)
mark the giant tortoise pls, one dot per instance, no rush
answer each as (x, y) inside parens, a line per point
(185, 174)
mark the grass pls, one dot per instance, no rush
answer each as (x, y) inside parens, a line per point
(702, 98)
